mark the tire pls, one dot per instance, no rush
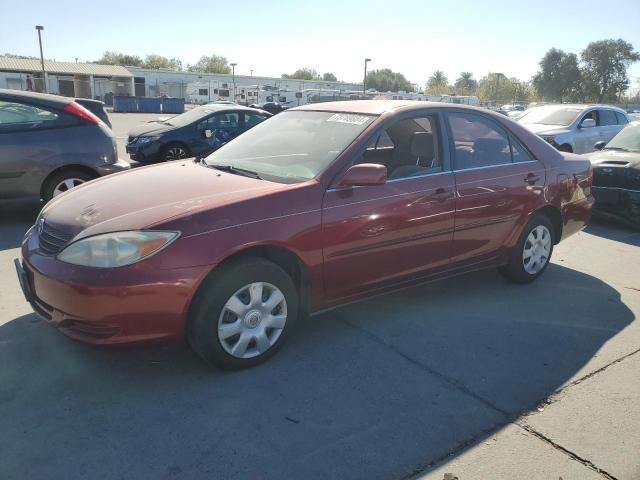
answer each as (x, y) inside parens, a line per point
(257, 331)
(522, 267)
(175, 151)
(63, 181)
(565, 148)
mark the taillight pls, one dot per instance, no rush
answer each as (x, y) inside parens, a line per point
(78, 110)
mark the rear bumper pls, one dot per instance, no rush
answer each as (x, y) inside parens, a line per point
(127, 305)
(576, 215)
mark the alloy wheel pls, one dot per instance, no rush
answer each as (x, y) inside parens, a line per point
(175, 153)
(252, 320)
(537, 249)
(67, 184)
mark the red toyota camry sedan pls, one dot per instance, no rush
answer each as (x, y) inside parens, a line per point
(318, 206)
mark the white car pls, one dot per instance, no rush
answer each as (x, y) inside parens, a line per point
(575, 128)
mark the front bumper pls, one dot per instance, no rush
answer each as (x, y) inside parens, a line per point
(145, 153)
(621, 203)
(138, 303)
(119, 166)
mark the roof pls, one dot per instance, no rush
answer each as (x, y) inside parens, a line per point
(376, 107)
(581, 106)
(34, 97)
(69, 68)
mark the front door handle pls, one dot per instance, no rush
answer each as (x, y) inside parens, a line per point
(532, 178)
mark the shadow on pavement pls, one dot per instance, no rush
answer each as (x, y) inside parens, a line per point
(16, 217)
(613, 231)
(373, 390)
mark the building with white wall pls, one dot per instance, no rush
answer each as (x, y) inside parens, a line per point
(88, 80)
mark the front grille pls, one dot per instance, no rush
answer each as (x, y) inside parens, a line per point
(52, 240)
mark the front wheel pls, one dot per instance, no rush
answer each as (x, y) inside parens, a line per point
(533, 251)
(243, 313)
(175, 151)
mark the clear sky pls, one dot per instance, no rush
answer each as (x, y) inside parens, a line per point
(273, 37)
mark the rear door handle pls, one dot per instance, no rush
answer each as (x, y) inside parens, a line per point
(532, 178)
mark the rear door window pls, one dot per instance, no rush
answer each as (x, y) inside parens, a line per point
(622, 120)
(15, 116)
(607, 117)
(478, 141)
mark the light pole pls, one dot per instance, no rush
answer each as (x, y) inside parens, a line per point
(251, 72)
(364, 82)
(233, 70)
(516, 84)
(39, 28)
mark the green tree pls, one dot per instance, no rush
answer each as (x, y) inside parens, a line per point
(303, 74)
(466, 84)
(495, 88)
(386, 80)
(329, 77)
(604, 69)
(156, 62)
(438, 84)
(559, 76)
(211, 64)
(114, 58)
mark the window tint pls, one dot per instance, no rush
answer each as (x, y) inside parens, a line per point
(408, 148)
(20, 116)
(622, 120)
(252, 119)
(519, 153)
(478, 141)
(608, 117)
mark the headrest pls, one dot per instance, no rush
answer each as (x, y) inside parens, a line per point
(489, 145)
(422, 144)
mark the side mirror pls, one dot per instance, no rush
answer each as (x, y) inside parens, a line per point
(364, 174)
(588, 123)
(599, 145)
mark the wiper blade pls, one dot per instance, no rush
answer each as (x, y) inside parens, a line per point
(236, 170)
(616, 148)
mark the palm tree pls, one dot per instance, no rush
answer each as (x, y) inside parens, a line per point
(465, 83)
(437, 83)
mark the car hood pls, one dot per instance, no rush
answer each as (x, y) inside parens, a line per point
(150, 128)
(544, 129)
(631, 159)
(145, 197)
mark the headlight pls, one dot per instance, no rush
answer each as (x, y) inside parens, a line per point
(116, 249)
(143, 140)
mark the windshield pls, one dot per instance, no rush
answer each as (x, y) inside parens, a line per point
(551, 115)
(293, 146)
(628, 139)
(191, 116)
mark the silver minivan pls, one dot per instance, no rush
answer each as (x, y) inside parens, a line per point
(575, 128)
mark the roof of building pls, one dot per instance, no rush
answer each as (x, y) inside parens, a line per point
(69, 68)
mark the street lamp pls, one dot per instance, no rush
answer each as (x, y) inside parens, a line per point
(233, 70)
(364, 82)
(252, 72)
(39, 28)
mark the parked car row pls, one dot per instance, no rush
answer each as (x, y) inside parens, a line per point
(196, 132)
(317, 206)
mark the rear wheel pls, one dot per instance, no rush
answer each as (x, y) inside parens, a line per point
(242, 314)
(175, 151)
(63, 181)
(533, 251)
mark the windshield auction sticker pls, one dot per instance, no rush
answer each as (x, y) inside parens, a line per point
(349, 118)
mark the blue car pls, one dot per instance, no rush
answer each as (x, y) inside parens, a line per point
(193, 133)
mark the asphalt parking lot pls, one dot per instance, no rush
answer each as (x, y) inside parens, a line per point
(471, 376)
